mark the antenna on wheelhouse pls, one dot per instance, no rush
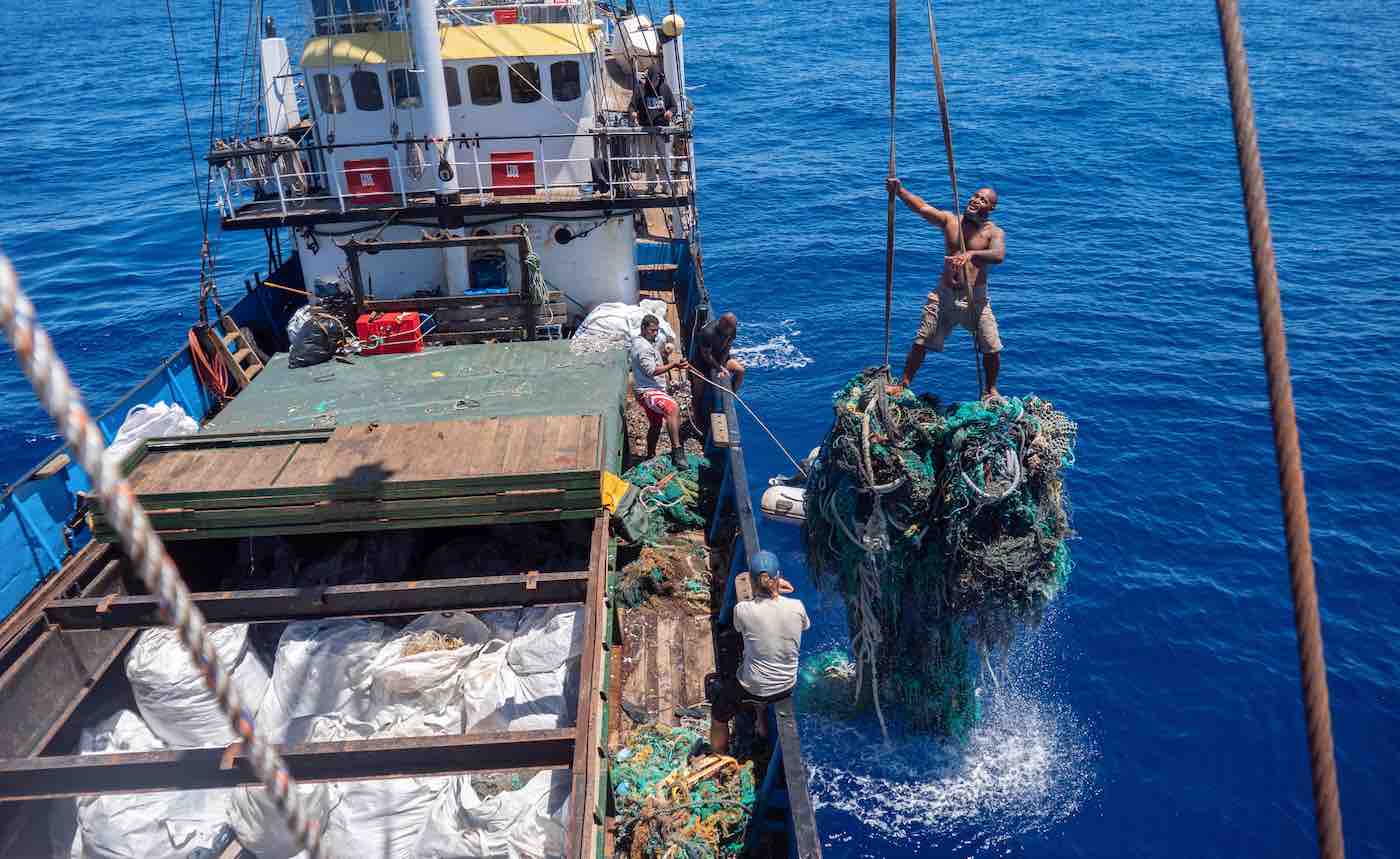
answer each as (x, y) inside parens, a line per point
(423, 24)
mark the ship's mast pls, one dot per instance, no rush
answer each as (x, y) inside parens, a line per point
(423, 24)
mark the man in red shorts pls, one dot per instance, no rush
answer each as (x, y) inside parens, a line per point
(648, 381)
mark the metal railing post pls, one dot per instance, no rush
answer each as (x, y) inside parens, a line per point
(402, 181)
(335, 180)
(277, 176)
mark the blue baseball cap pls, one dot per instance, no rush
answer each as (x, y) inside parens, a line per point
(764, 561)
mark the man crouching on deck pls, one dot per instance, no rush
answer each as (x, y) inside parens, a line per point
(952, 303)
(648, 379)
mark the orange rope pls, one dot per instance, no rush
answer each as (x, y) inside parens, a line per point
(212, 374)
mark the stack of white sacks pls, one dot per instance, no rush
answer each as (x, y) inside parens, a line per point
(338, 680)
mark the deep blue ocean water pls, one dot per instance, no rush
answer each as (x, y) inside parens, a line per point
(1157, 711)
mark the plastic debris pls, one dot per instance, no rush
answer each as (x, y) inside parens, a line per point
(670, 805)
(944, 529)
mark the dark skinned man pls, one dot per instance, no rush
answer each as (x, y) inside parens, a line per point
(961, 295)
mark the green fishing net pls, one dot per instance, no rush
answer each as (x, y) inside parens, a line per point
(669, 497)
(678, 566)
(944, 529)
(671, 806)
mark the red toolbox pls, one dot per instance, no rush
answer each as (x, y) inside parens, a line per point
(512, 173)
(387, 333)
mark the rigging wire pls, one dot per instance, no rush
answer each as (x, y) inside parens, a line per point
(184, 106)
(740, 400)
(889, 215)
(953, 177)
(1307, 624)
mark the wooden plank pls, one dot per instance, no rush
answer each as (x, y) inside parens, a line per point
(383, 524)
(667, 655)
(417, 508)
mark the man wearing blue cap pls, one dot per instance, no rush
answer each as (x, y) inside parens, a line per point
(772, 625)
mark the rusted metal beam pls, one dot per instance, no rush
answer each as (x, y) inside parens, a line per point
(477, 593)
(589, 754)
(351, 760)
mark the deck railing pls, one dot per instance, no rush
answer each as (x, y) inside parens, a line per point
(330, 17)
(277, 174)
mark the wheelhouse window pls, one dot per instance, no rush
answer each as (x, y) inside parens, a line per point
(365, 87)
(454, 88)
(403, 88)
(328, 94)
(524, 83)
(564, 81)
(484, 81)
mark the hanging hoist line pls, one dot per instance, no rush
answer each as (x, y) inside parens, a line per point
(1307, 625)
(49, 378)
(952, 174)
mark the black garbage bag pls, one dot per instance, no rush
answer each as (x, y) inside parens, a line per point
(316, 340)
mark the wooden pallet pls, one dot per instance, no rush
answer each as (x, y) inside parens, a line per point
(410, 475)
(237, 352)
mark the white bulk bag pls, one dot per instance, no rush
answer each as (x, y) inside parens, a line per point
(545, 638)
(319, 666)
(170, 825)
(526, 823)
(380, 819)
(419, 694)
(622, 321)
(142, 422)
(171, 693)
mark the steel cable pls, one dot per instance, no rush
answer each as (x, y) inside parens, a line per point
(1308, 627)
(64, 403)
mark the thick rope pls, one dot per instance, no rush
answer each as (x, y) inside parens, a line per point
(952, 173)
(889, 215)
(62, 401)
(1312, 664)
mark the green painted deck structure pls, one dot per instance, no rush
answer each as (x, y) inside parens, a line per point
(442, 383)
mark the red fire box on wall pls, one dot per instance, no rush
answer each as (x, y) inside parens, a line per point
(512, 173)
(388, 333)
(368, 181)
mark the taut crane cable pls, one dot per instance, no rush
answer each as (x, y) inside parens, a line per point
(1307, 625)
(953, 176)
(889, 214)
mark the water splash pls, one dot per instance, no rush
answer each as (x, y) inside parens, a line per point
(1028, 766)
(776, 349)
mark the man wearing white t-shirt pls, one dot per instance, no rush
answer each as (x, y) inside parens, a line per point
(772, 625)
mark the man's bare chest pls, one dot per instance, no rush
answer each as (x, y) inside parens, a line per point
(976, 240)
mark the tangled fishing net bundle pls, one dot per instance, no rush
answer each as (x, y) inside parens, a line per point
(671, 806)
(669, 495)
(944, 529)
(678, 566)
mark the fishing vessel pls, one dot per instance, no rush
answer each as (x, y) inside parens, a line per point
(461, 184)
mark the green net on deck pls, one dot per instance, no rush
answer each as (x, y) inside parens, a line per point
(944, 529)
(671, 806)
(669, 496)
(677, 567)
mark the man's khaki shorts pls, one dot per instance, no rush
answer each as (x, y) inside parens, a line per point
(945, 309)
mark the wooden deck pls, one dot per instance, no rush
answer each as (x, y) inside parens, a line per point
(667, 649)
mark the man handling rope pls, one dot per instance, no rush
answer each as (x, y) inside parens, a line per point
(972, 243)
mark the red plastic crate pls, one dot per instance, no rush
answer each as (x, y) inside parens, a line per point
(512, 173)
(389, 333)
(367, 180)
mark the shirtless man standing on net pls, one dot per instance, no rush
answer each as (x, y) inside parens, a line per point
(951, 303)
